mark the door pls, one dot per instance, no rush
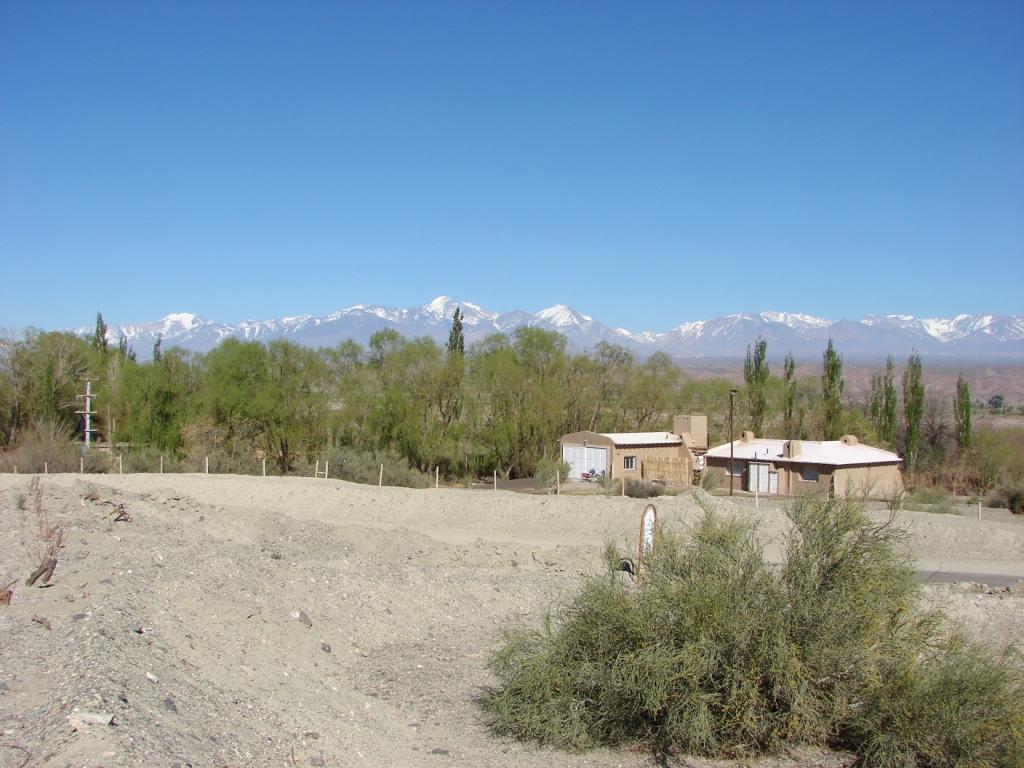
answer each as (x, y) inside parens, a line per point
(583, 458)
(759, 478)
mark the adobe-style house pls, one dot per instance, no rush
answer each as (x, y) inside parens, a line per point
(670, 457)
(843, 467)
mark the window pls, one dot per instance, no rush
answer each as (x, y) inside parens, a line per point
(809, 474)
(629, 462)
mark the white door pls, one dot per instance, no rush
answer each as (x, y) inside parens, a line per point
(583, 458)
(758, 478)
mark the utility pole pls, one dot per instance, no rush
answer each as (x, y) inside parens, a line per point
(732, 444)
(87, 411)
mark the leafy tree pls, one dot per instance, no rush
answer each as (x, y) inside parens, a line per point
(832, 393)
(99, 337)
(887, 422)
(913, 408)
(456, 341)
(755, 374)
(962, 412)
(649, 394)
(789, 402)
(156, 347)
(382, 343)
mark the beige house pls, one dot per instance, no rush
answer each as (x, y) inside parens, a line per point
(670, 457)
(842, 467)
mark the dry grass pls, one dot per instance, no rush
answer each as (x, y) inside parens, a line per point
(45, 536)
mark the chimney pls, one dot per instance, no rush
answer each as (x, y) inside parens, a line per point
(849, 440)
(694, 425)
(791, 449)
(747, 437)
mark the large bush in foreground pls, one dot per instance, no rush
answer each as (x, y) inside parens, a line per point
(717, 653)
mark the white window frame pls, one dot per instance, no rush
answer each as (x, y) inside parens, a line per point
(629, 463)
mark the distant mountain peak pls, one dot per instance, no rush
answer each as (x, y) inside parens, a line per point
(982, 336)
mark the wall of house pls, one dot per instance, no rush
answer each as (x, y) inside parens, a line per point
(874, 482)
(641, 452)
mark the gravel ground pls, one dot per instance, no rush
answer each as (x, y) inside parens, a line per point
(239, 621)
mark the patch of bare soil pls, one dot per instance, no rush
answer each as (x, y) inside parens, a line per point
(237, 621)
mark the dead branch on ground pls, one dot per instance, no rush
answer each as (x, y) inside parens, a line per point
(119, 509)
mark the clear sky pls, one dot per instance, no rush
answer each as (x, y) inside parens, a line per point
(646, 163)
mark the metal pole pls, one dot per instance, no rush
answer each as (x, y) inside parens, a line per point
(732, 445)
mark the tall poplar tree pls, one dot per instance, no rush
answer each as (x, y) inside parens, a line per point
(99, 337)
(832, 392)
(755, 374)
(456, 341)
(887, 424)
(789, 405)
(962, 412)
(913, 408)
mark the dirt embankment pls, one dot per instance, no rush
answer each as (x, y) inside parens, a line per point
(293, 622)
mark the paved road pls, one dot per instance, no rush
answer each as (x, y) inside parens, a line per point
(948, 577)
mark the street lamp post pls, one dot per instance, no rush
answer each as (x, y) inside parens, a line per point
(732, 445)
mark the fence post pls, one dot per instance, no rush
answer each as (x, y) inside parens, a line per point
(316, 470)
(46, 467)
(264, 467)
(327, 469)
(558, 482)
(380, 477)
(206, 465)
(495, 479)
(81, 469)
(120, 465)
(437, 477)
(623, 487)
(161, 463)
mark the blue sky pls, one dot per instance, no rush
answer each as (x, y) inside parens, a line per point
(646, 163)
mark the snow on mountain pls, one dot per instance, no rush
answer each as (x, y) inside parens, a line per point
(982, 336)
(561, 316)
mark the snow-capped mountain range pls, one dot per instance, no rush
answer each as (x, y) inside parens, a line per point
(977, 337)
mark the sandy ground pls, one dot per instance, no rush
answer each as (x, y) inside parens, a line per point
(240, 621)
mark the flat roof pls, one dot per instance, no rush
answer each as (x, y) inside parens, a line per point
(643, 438)
(833, 452)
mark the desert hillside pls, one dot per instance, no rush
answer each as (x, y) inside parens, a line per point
(242, 621)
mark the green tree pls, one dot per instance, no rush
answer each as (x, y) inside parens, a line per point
(456, 340)
(962, 412)
(789, 426)
(832, 393)
(156, 347)
(887, 421)
(755, 374)
(99, 337)
(913, 408)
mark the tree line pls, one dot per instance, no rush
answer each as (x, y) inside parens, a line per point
(498, 404)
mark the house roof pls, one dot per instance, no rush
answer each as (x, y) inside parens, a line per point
(831, 452)
(643, 438)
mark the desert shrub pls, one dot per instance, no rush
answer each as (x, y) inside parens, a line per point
(929, 499)
(954, 705)
(364, 467)
(1011, 497)
(548, 466)
(45, 445)
(642, 489)
(147, 459)
(715, 653)
(710, 479)
(222, 463)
